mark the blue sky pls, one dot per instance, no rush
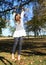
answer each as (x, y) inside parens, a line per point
(6, 31)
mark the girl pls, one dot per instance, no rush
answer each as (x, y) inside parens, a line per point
(18, 34)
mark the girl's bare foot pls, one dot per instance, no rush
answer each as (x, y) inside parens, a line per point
(18, 57)
(13, 56)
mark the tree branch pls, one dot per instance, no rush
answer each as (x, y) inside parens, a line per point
(16, 6)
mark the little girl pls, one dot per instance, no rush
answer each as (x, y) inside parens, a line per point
(18, 34)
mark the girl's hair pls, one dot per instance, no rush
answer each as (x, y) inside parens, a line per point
(17, 17)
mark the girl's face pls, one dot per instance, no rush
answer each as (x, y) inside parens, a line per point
(18, 17)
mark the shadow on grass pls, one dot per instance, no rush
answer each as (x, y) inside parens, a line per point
(26, 53)
(33, 49)
(33, 45)
(5, 61)
(7, 47)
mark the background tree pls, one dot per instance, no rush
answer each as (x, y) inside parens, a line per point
(2, 24)
(39, 19)
(4, 15)
(7, 7)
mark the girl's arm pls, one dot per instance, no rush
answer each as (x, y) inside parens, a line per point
(22, 14)
(22, 18)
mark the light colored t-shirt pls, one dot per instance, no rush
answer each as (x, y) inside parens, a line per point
(20, 26)
(20, 31)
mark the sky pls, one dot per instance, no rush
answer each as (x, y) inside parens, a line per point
(6, 31)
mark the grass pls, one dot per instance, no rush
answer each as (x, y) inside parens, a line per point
(5, 59)
(33, 54)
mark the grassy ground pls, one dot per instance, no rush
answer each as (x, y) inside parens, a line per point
(26, 59)
(33, 54)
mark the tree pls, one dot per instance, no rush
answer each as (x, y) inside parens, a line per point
(2, 24)
(7, 7)
(4, 15)
(39, 19)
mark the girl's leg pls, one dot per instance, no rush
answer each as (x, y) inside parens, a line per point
(14, 47)
(20, 47)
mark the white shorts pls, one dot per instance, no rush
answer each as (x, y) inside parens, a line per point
(19, 33)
